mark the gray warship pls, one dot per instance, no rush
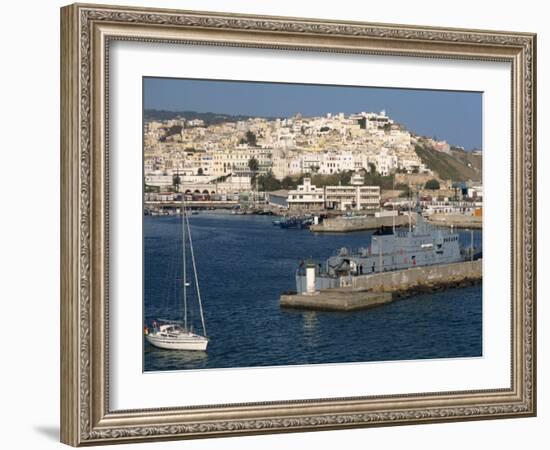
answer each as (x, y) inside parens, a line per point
(390, 249)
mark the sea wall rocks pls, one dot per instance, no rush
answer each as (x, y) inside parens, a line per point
(424, 278)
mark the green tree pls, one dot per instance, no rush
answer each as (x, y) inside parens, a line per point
(345, 178)
(253, 165)
(149, 188)
(268, 183)
(250, 138)
(176, 181)
(372, 168)
(405, 188)
(432, 184)
(288, 183)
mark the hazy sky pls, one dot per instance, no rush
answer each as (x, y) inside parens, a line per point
(450, 115)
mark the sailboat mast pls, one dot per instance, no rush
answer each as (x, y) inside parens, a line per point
(184, 261)
(410, 200)
(393, 204)
(196, 275)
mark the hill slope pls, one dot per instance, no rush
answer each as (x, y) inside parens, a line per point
(208, 117)
(458, 166)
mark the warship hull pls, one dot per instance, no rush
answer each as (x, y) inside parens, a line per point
(389, 250)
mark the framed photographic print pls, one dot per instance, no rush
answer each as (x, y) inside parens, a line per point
(280, 224)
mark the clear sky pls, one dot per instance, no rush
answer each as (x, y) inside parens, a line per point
(451, 115)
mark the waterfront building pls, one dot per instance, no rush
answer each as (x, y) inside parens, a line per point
(235, 184)
(198, 188)
(306, 196)
(451, 207)
(160, 197)
(352, 197)
(310, 197)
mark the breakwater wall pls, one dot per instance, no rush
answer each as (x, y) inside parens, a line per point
(456, 220)
(367, 291)
(423, 278)
(343, 225)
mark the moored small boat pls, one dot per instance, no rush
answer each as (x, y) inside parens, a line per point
(173, 336)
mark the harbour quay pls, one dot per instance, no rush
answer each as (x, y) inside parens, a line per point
(368, 291)
(343, 224)
(336, 299)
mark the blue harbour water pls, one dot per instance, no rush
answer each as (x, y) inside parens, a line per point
(245, 263)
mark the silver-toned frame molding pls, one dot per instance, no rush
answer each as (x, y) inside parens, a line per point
(86, 31)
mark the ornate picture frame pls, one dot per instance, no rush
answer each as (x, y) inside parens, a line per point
(86, 34)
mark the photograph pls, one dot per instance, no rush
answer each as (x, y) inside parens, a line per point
(295, 224)
(286, 223)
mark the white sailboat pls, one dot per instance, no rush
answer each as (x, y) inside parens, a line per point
(172, 335)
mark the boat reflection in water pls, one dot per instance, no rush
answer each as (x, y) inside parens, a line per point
(188, 360)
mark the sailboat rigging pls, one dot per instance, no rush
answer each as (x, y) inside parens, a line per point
(172, 335)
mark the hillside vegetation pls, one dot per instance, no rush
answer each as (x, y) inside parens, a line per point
(458, 166)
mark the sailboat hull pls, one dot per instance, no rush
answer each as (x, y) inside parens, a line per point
(189, 341)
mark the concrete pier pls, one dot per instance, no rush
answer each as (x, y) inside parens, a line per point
(346, 224)
(341, 299)
(368, 291)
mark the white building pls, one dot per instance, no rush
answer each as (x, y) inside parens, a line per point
(335, 162)
(386, 162)
(357, 179)
(352, 197)
(306, 196)
(161, 181)
(235, 184)
(310, 197)
(285, 164)
(475, 192)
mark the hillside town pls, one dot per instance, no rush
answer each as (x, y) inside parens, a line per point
(335, 162)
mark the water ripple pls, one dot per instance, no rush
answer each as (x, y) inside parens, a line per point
(245, 263)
